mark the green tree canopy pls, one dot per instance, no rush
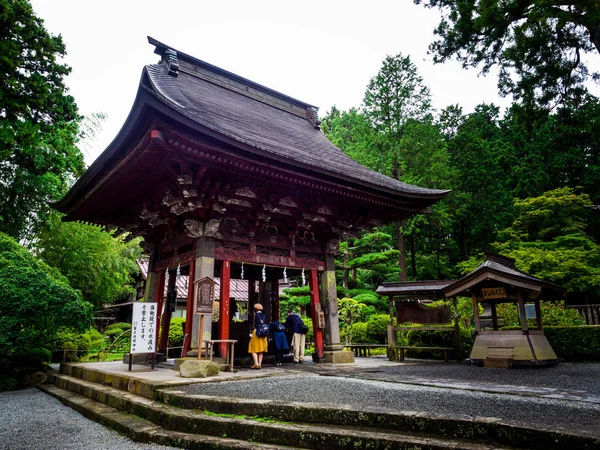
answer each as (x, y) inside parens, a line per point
(538, 45)
(36, 302)
(38, 121)
(96, 262)
(548, 240)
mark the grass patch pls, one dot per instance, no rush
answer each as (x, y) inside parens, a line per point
(241, 416)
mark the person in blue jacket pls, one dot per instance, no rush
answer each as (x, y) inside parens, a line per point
(277, 330)
(294, 323)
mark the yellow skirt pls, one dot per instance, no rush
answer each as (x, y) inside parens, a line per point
(257, 344)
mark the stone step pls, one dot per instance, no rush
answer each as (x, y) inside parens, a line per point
(478, 429)
(266, 430)
(141, 430)
(122, 381)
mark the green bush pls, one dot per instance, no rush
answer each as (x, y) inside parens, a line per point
(377, 327)
(553, 314)
(359, 333)
(116, 329)
(575, 343)
(176, 332)
(80, 343)
(434, 338)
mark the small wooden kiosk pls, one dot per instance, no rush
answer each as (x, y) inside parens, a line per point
(495, 281)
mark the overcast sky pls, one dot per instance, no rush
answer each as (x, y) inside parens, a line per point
(321, 52)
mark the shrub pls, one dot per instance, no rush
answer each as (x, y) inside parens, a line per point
(176, 332)
(434, 338)
(359, 333)
(553, 314)
(80, 343)
(115, 330)
(377, 327)
(575, 343)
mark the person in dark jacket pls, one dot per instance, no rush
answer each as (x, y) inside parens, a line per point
(277, 330)
(294, 323)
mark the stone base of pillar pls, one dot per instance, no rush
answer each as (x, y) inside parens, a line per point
(338, 357)
(333, 348)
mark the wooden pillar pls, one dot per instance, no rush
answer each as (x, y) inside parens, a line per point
(224, 305)
(275, 290)
(476, 314)
(331, 334)
(166, 317)
(204, 267)
(522, 313)
(457, 335)
(160, 293)
(189, 310)
(538, 315)
(494, 316)
(315, 306)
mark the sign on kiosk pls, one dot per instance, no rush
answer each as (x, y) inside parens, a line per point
(143, 327)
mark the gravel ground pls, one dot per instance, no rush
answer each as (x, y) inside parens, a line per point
(579, 377)
(361, 393)
(32, 420)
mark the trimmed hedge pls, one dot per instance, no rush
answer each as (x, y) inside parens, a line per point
(426, 338)
(575, 343)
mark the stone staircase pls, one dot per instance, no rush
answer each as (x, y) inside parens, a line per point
(149, 412)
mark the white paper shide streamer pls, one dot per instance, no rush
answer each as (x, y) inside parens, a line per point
(285, 280)
(264, 273)
(303, 278)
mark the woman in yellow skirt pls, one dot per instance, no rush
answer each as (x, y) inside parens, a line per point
(257, 345)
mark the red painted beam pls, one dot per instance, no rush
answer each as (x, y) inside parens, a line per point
(224, 306)
(313, 282)
(166, 318)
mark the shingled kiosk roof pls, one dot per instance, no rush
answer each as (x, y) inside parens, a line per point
(501, 269)
(247, 123)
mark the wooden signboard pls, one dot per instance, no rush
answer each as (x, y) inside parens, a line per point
(205, 295)
(498, 292)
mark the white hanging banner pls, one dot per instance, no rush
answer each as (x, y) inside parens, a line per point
(143, 327)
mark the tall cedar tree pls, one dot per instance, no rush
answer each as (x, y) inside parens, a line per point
(394, 96)
(38, 121)
(542, 42)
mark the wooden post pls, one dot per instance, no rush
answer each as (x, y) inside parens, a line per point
(275, 290)
(189, 311)
(313, 282)
(538, 314)
(522, 313)
(160, 292)
(224, 306)
(494, 316)
(457, 336)
(200, 337)
(476, 314)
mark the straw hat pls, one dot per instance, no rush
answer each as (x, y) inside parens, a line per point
(258, 306)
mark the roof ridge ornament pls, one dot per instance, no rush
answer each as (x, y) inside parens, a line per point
(312, 114)
(172, 62)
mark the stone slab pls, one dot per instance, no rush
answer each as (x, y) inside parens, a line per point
(341, 357)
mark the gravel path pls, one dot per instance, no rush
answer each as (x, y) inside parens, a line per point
(362, 393)
(32, 420)
(579, 377)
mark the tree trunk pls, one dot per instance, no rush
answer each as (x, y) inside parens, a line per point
(354, 274)
(345, 279)
(413, 257)
(595, 36)
(402, 256)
